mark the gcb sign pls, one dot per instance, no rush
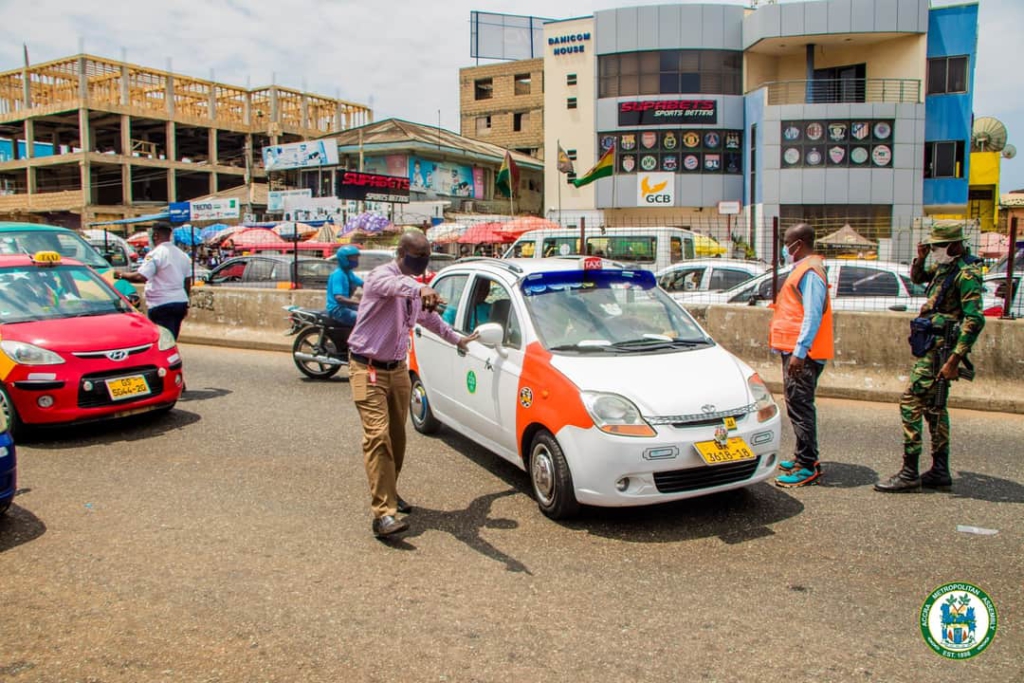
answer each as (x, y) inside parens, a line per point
(656, 189)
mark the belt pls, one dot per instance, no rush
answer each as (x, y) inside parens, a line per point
(379, 364)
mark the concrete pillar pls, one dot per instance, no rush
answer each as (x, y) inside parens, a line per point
(304, 108)
(274, 111)
(212, 140)
(30, 179)
(126, 136)
(30, 139)
(85, 142)
(170, 90)
(126, 156)
(338, 116)
(126, 185)
(83, 82)
(213, 182)
(172, 155)
(125, 91)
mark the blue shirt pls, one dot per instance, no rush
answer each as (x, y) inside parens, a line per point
(341, 283)
(814, 292)
(481, 314)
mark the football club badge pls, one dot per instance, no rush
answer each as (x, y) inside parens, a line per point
(712, 140)
(628, 141)
(958, 620)
(607, 142)
(526, 397)
(881, 155)
(669, 162)
(813, 157)
(648, 162)
(649, 140)
(791, 156)
(859, 155)
(713, 162)
(670, 141)
(837, 132)
(837, 155)
(790, 132)
(732, 163)
(628, 163)
(691, 139)
(815, 131)
(691, 162)
(860, 130)
(732, 140)
(882, 130)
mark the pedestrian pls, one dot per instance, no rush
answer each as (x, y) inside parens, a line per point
(167, 274)
(392, 304)
(953, 297)
(801, 330)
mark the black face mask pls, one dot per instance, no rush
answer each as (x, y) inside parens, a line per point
(417, 265)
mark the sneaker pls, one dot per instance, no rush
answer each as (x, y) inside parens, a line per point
(799, 477)
(788, 466)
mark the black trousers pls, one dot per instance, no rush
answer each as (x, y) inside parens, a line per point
(169, 316)
(800, 406)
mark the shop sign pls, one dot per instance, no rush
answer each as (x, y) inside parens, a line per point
(179, 212)
(667, 112)
(277, 198)
(214, 209)
(310, 153)
(570, 44)
(371, 187)
(656, 189)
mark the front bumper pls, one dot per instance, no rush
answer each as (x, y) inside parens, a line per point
(666, 467)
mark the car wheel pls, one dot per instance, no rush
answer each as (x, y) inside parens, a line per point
(551, 478)
(419, 409)
(308, 342)
(9, 412)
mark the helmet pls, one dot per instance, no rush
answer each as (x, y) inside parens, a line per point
(348, 256)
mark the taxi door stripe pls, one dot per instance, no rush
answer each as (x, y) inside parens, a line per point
(556, 401)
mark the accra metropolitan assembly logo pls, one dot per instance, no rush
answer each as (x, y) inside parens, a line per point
(958, 620)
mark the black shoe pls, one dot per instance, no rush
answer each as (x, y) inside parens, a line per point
(897, 484)
(387, 525)
(937, 482)
(404, 507)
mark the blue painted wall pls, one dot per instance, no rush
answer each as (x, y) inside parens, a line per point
(952, 31)
(42, 149)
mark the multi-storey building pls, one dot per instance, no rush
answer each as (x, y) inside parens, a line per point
(503, 104)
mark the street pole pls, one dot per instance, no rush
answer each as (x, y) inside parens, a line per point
(1008, 287)
(775, 258)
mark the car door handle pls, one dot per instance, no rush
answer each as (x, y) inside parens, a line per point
(898, 307)
(461, 351)
(419, 332)
(488, 365)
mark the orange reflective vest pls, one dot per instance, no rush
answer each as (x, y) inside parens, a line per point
(789, 314)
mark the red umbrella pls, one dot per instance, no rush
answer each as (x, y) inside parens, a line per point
(486, 233)
(139, 239)
(254, 236)
(517, 226)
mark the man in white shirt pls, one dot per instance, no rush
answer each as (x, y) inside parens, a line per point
(167, 272)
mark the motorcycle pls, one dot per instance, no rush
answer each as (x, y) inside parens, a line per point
(320, 349)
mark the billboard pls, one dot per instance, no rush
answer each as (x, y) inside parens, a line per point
(392, 164)
(179, 212)
(214, 209)
(667, 112)
(310, 153)
(276, 198)
(371, 187)
(505, 36)
(307, 208)
(445, 179)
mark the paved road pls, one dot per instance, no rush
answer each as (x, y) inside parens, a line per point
(230, 541)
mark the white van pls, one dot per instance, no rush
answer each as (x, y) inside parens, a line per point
(648, 248)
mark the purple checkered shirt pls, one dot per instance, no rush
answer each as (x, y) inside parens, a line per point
(389, 309)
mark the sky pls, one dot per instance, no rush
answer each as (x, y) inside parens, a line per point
(400, 57)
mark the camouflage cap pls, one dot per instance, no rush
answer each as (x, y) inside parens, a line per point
(952, 231)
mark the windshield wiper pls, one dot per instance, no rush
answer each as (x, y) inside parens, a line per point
(650, 343)
(586, 348)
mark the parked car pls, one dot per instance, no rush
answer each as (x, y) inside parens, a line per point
(995, 295)
(567, 382)
(73, 350)
(708, 275)
(855, 285)
(271, 271)
(8, 466)
(650, 248)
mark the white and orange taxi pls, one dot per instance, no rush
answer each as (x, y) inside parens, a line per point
(594, 381)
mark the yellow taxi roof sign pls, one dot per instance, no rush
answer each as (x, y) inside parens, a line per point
(46, 258)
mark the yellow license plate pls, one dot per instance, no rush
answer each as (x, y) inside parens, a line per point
(735, 449)
(127, 387)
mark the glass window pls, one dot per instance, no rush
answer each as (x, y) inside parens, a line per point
(232, 271)
(670, 72)
(560, 246)
(724, 278)
(522, 86)
(914, 288)
(627, 249)
(483, 89)
(944, 159)
(947, 75)
(570, 79)
(450, 288)
(260, 270)
(682, 279)
(956, 75)
(937, 76)
(570, 103)
(31, 293)
(856, 281)
(675, 247)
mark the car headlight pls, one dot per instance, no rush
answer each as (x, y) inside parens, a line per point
(29, 354)
(167, 341)
(614, 414)
(764, 403)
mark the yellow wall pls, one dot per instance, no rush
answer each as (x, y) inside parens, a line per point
(985, 176)
(985, 168)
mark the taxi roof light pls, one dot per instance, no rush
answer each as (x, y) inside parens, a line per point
(46, 259)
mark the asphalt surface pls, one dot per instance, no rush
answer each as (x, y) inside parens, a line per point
(230, 541)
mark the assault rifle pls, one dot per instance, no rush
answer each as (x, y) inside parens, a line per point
(949, 333)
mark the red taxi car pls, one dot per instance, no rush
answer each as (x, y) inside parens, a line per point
(72, 349)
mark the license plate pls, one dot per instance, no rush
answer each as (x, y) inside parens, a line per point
(734, 450)
(127, 387)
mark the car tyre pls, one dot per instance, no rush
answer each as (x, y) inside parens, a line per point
(308, 342)
(423, 419)
(14, 425)
(550, 477)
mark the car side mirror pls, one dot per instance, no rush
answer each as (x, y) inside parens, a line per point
(491, 336)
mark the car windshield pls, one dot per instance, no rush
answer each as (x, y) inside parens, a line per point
(67, 244)
(32, 293)
(607, 312)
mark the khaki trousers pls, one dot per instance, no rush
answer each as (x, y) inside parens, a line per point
(383, 409)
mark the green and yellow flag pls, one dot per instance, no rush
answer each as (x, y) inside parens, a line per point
(507, 179)
(604, 167)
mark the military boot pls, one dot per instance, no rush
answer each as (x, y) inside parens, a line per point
(904, 481)
(938, 476)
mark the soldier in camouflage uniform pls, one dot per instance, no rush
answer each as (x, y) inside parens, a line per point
(960, 302)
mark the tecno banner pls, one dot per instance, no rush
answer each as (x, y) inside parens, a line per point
(656, 189)
(667, 112)
(371, 187)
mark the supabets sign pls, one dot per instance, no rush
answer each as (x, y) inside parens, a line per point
(667, 112)
(656, 189)
(371, 187)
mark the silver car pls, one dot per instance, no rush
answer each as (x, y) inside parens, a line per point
(707, 275)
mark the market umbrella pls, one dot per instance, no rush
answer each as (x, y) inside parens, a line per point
(251, 237)
(367, 223)
(328, 232)
(446, 233)
(208, 233)
(845, 237)
(517, 226)
(187, 235)
(703, 245)
(993, 245)
(139, 239)
(485, 233)
(294, 231)
(226, 232)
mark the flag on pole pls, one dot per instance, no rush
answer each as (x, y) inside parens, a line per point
(564, 162)
(507, 179)
(602, 169)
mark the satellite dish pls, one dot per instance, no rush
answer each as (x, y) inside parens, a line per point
(1009, 152)
(989, 135)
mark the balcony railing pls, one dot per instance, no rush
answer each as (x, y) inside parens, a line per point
(845, 90)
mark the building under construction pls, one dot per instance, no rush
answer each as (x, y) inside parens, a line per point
(86, 139)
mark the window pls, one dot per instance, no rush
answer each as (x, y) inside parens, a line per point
(260, 270)
(947, 75)
(229, 272)
(912, 287)
(670, 72)
(450, 288)
(571, 153)
(944, 159)
(854, 281)
(570, 103)
(483, 125)
(560, 246)
(570, 79)
(520, 121)
(627, 248)
(682, 280)
(727, 278)
(483, 89)
(522, 86)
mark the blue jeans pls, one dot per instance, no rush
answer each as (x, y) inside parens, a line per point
(345, 316)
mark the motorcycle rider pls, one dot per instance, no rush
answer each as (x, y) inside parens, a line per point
(342, 298)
